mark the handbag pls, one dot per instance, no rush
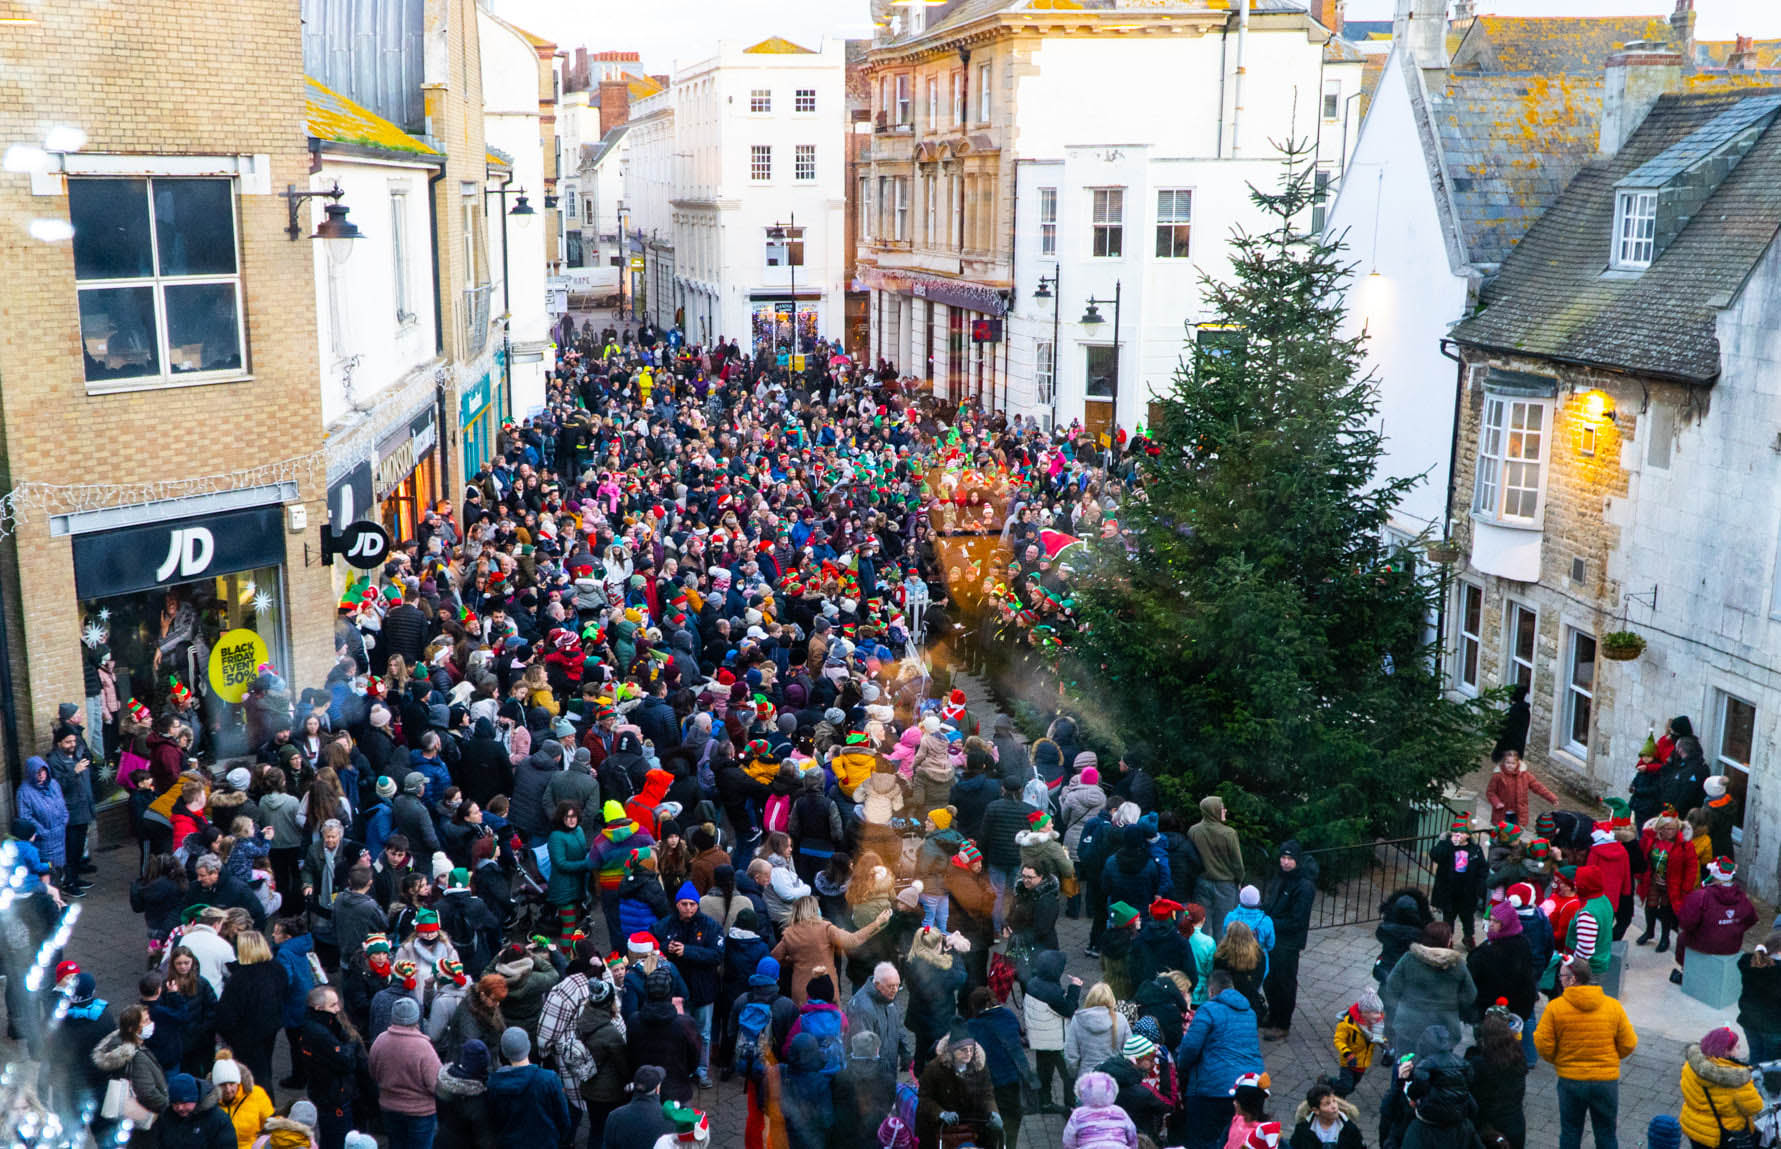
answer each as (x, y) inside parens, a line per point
(1744, 1138)
(120, 1104)
(1069, 887)
(129, 762)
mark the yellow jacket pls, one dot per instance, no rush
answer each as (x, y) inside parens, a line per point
(1586, 1035)
(1734, 1096)
(762, 770)
(1354, 1049)
(852, 767)
(248, 1114)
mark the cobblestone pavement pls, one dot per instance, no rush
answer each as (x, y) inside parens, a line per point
(1338, 965)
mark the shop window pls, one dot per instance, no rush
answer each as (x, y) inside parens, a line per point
(158, 277)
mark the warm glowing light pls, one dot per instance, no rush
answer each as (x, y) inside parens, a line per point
(1597, 405)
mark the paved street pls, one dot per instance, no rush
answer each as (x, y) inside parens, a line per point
(1336, 968)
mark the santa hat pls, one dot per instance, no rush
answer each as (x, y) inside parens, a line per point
(1521, 895)
(1601, 833)
(1251, 1081)
(1039, 820)
(640, 944)
(954, 708)
(1163, 909)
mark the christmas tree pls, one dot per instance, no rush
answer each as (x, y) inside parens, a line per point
(1264, 641)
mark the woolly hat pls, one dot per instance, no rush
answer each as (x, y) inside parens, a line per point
(1722, 870)
(1716, 785)
(1089, 776)
(1369, 1001)
(238, 778)
(426, 922)
(1723, 1042)
(182, 1087)
(357, 1140)
(1506, 831)
(1250, 896)
(1601, 833)
(303, 1111)
(473, 1061)
(452, 971)
(1122, 914)
(941, 817)
(820, 988)
(406, 1011)
(1460, 825)
(640, 944)
(1539, 848)
(1589, 882)
(1620, 813)
(515, 1045)
(1039, 820)
(908, 897)
(1137, 1046)
(226, 1072)
(386, 787)
(1649, 748)
(415, 783)
(377, 943)
(1163, 909)
(686, 893)
(1504, 916)
(1664, 1132)
(458, 879)
(1086, 760)
(1251, 1081)
(612, 812)
(968, 853)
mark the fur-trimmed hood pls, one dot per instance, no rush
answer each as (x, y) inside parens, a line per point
(1349, 1112)
(1716, 1071)
(977, 1056)
(113, 1053)
(450, 1085)
(1435, 956)
(1035, 837)
(277, 1124)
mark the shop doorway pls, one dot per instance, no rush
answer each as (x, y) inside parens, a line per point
(1101, 393)
(956, 376)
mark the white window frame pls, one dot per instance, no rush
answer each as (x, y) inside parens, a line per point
(1727, 764)
(863, 208)
(1635, 229)
(157, 283)
(1468, 646)
(787, 251)
(933, 103)
(760, 101)
(905, 102)
(983, 104)
(1506, 453)
(1574, 692)
(1332, 101)
(760, 163)
(1047, 221)
(1175, 218)
(1107, 223)
(804, 101)
(900, 186)
(1513, 662)
(1044, 369)
(399, 262)
(930, 190)
(470, 212)
(958, 97)
(804, 163)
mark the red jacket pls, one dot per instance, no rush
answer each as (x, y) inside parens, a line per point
(1681, 875)
(1715, 918)
(1617, 870)
(1507, 794)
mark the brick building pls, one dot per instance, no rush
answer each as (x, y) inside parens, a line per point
(160, 426)
(1617, 447)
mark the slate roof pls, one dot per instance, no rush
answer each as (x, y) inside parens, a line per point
(1550, 299)
(1543, 44)
(1511, 144)
(1713, 53)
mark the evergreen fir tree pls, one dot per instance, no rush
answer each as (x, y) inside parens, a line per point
(1264, 641)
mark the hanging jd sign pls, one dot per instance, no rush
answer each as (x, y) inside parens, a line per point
(362, 544)
(235, 662)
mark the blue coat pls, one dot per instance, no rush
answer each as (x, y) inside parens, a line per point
(42, 803)
(1137, 889)
(529, 1107)
(1259, 923)
(701, 961)
(438, 775)
(1220, 1046)
(293, 955)
(377, 824)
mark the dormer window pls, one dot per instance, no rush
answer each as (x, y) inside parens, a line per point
(1635, 229)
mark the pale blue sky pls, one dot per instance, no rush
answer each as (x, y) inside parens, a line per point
(666, 30)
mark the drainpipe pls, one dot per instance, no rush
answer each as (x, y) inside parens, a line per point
(433, 182)
(1224, 72)
(507, 306)
(1459, 395)
(1237, 83)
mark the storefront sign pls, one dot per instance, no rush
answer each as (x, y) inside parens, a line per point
(970, 296)
(349, 497)
(363, 544)
(398, 455)
(161, 554)
(235, 662)
(474, 399)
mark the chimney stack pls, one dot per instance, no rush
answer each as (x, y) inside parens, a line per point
(1328, 13)
(615, 104)
(1632, 80)
(1682, 31)
(1743, 56)
(1420, 26)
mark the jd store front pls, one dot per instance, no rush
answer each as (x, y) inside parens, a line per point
(406, 474)
(189, 608)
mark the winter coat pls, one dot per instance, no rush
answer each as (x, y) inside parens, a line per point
(932, 774)
(1500, 1091)
(1042, 850)
(332, 1062)
(528, 1106)
(243, 1018)
(576, 785)
(1048, 1004)
(293, 956)
(205, 1127)
(933, 995)
(1097, 1123)
(410, 816)
(1304, 1137)
(611, 848)
(41, 801)
(598, 1032)
(569, 867)
(641, 902)
(970, 1094)
(1004, 820)
(1159, 946)
(804, 946)
(528, 979)
(1504, 967)
(530, 777)
(665, 1037)
(1076, 803)
(1092, 1036)
(1289, 898)
(1221, 853)
(1682, 870)
(701, 961)
(1131, 875)
(464, 1119)
(880, 797)
(1429, 986)
(1585, 1034)
(806, 1096)
(406, 1068)
(935, 856)
(1759, 999)
(865, 1092)
(997, 1030)
(115, 1057)
(867, 1010)
(77, 785)
(1456, 889)
(1715, 918)
(1508, 794)
(1221, 1044)
(636, 1124)
(1731, 1092)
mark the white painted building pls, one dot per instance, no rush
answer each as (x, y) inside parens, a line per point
(995, 164)
(375, 313)
(512, 122)
(735, 190)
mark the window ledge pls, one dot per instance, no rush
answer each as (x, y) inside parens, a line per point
(1510, 551)
(125, 386)
(1624, 273)
(1568, 757)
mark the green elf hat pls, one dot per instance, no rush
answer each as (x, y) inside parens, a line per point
(1122, 914)
(1649, 749)
(1460, 825)
(1539, 848)
(377, 943)
(190, 913)
(1506, 832)
(1620, 813)
(858, 738)
(1039, 820)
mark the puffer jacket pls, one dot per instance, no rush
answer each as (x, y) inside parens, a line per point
(852, 767)
(530, 777)
(1714, 918)
(880, 797)
(1093, 1035)
(1076, 803)
(1049, 1004)
(1221, 1044)
(641, 902)
(1097, 1123)
(1042, 850)
(1732, 1092)
(1429, 986)
(932, 773)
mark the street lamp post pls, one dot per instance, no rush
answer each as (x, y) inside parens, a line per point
(783, 233)
(1092, 320)
(1048, 285)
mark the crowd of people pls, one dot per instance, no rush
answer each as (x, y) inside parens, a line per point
(631, 778)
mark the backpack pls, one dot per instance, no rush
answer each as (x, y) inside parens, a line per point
(824, 1025)
(1036, 793)
(754, 1020)
(778, 813)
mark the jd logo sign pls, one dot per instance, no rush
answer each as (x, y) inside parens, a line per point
(189, 551)
(363, 545)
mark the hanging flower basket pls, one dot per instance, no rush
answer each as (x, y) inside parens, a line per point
(1622, 645)
(1442, 551)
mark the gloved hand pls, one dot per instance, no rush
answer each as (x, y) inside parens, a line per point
(995, 1120)
(948, 1117)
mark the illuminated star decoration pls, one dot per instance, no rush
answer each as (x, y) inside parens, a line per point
(251, 588)
(93, 636)
(104, 614)
(262, 602)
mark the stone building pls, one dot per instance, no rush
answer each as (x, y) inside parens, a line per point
(1617, 451)
(161, 423)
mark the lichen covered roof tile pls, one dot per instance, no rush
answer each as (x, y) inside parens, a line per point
(335, 119)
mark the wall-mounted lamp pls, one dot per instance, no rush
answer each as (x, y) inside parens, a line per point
(336, 229)
(523, 207)
(1599, 405)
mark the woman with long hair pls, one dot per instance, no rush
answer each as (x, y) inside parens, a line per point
(309, 742)
(244, 1017)
(1241, 954)
(477, 1017)
(184, 979)
(325, 800)
(123, 1053)
(1095, 1032)
(811, 942)
(934, 975)
(395, 676)
(1496, 1069)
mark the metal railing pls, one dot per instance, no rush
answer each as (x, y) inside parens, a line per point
(476, 318)
(1354, 881)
